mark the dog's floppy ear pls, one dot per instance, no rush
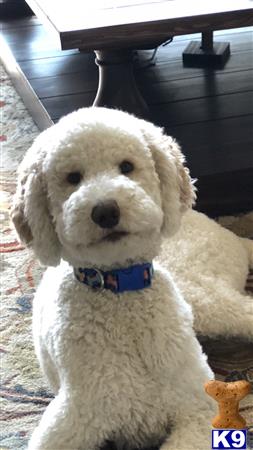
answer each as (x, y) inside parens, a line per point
(30, 213)
(177, 188)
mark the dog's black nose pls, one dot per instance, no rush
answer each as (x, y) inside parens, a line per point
(106, 214)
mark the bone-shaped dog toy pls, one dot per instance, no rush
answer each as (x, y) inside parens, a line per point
(228, 396)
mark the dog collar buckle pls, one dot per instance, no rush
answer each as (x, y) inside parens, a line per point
(100, 278)
(92, 277)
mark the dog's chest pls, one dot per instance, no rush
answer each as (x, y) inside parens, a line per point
(102, 320)
(115, 349)
(126, 340)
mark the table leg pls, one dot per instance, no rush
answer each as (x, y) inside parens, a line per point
(207, 52)
(117, 86)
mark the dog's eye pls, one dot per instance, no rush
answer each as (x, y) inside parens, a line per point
(126, 167)
(74, 178)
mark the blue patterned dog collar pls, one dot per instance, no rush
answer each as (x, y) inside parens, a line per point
(132, 278)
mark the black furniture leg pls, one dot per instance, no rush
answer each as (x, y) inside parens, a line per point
(117, 86)
(207, 52)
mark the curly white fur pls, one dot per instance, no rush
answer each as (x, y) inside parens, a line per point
(210, 265)
(124, 367)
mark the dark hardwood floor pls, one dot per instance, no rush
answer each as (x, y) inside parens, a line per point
(209, 111)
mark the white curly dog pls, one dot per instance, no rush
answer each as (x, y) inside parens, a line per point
(114, 336)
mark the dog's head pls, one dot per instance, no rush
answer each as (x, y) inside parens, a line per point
(100, 187)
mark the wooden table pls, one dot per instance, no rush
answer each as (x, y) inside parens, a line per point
(113, 28)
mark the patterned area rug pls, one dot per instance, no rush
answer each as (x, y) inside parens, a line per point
(24, 394)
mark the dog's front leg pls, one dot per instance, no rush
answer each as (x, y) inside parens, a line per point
(63, 427)
(190, 435)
